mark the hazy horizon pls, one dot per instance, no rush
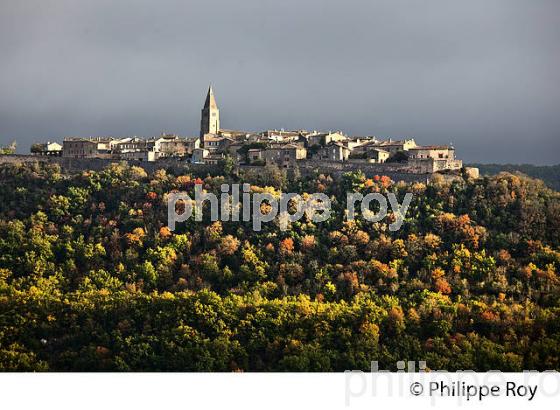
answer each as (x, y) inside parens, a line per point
(482, 75)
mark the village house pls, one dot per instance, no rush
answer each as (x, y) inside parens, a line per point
(128, 144)
(133, 149)
(170, 145)
(198, 155)
(50, 149)
(215, 143)
(353, 142)
(213, 159)
(432, 151)
(191, 143)
(323, 138)
(234, 134)
(284, 155)
(377, 156)
(334, 151)
(369, 149)
(255, 155)
(235, 150)
(392, 147)
(433, 158)
(204, 156)
(92, 147)
(282, 136)
(370, 154)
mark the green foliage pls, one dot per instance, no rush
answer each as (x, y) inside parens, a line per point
(91, 279)
(8, 149)
(550, 174)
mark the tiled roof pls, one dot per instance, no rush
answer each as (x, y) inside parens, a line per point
(426, 147)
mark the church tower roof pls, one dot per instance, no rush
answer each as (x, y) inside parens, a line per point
(210, 118)
(210, 99)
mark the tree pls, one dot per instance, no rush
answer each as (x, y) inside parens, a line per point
(9, 149)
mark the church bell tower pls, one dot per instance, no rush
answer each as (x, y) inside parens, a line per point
(210, 119)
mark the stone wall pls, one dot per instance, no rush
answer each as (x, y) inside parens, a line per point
(98, 164)
(19, 159)
(395, 171)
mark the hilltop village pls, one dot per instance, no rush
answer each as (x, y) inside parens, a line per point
(281, 148)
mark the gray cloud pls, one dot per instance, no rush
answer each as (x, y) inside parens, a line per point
(482, 74)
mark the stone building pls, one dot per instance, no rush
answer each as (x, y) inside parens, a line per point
(392, 147)
(92, 147)
(354, 142)
(49, 149)
(433, 158)
(432, 151)
(170, 145)
(210, 118)
(214, 143)
(132, 148)
(234, 134)
(377, 156)
(191, 144)
(255, 155)
(334, 151)
(370, 154)
(198, 155)
(323, 138)
(282, 135)
(284, 155)
(203, 156)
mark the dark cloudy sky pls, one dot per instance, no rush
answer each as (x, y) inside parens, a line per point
(483, 74)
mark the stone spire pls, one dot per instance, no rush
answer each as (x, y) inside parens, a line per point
(210, 99)
(210, 118)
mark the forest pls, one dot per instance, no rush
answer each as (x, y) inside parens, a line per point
(549, 174)
(92, 279)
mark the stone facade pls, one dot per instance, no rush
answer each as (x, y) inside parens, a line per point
(255, 155)
(335, 151)
(47, 148)
(170, 145)
(210, 118)
(285, 155)
(323, 138)
(436, 152)
(93, 147)
(430, 165)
